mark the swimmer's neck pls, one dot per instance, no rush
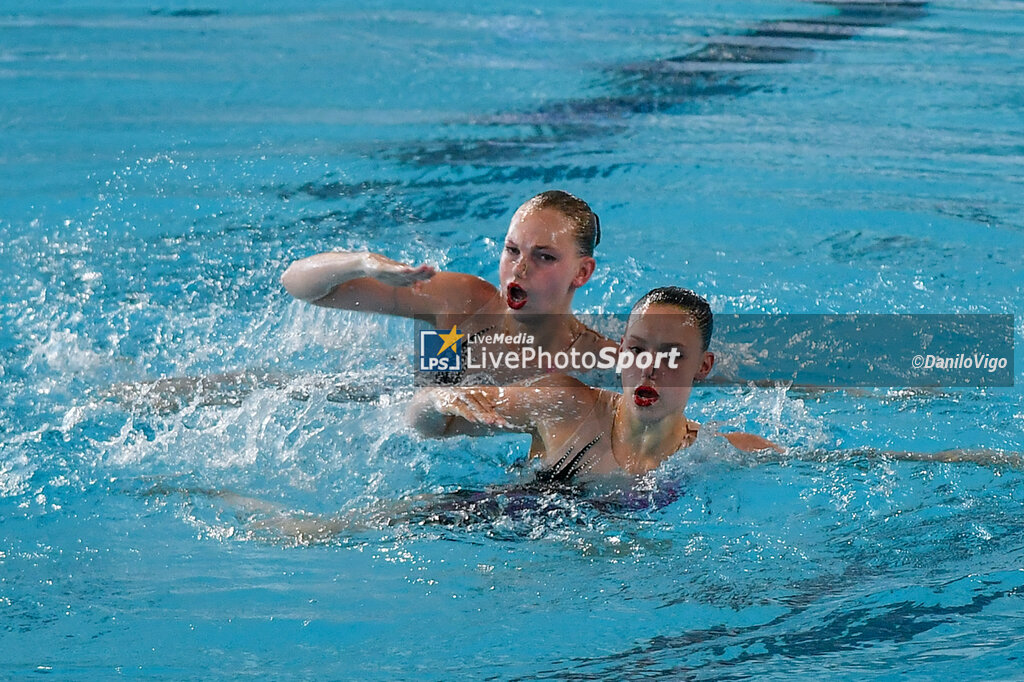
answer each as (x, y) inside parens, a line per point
(552, 332)
(639, 447)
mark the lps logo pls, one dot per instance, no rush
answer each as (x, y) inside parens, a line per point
(439, 351)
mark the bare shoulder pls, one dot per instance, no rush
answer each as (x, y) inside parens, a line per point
(464, 283)
(749, 442)
(576, 410)
(592, 341)
(462, 295)
(555, 398)
(557, 380)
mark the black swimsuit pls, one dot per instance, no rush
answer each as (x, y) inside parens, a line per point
(570, 465)
(567, 469)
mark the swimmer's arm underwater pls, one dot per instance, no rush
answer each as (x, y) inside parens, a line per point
(979, 456)
(982, 456)
(374, 283)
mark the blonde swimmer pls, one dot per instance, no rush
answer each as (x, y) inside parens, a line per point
(548, 254)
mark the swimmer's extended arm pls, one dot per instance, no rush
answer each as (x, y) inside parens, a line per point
(748, 442)
(981, 456)
(375, 283)
(484, 410)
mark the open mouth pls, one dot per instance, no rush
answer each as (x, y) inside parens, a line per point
(515, 296)
(645, 396)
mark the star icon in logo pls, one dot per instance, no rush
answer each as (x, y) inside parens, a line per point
(450, 339)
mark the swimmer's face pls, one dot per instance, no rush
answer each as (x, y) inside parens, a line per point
(656, 392)
(540, 267)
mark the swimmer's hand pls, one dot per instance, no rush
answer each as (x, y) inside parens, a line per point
(393, 273)
(441, 412)
(476, 407)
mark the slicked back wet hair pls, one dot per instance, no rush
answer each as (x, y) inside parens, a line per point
(586, 223)
(685, 300)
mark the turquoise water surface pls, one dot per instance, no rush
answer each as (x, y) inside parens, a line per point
(161, 165)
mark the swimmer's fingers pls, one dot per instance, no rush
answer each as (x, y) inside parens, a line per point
(473, 408)
(468, 407)
(407, 275)
(423, 273)
(489, 412)
(398, 274)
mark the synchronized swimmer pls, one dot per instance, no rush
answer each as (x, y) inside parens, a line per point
(578, 432)
(548, 254)
(576, 428)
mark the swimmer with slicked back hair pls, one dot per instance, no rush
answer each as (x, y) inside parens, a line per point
(548, 254)
(578, 429)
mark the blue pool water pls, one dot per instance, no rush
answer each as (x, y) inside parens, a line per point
(160, 165)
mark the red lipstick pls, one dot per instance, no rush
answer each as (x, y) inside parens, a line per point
(515, 296)
(645, 396)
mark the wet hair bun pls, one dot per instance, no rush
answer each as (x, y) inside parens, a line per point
(684, 299)
(586, 222)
